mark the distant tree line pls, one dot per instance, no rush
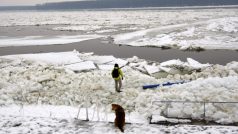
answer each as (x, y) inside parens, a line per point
(98, 4)
(134, 4)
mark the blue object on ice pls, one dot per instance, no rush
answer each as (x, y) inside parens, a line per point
(151, 86)
(163, 84)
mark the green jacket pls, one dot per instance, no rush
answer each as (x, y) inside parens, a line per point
(120, 73)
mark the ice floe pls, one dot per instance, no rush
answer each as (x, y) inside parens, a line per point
(41, 40)
(193, 36)
(62, 58)
(82, 66)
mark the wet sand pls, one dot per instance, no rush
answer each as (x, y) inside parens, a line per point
(99, 48)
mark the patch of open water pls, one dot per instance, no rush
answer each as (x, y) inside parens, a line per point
(149, 53)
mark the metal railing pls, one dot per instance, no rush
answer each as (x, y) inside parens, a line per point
(204, 103)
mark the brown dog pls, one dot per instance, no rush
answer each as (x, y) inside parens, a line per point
(120, 116)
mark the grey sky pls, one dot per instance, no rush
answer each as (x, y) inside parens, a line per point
(119, 3)
(28, 2)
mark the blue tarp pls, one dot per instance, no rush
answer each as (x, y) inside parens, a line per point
(163, 84)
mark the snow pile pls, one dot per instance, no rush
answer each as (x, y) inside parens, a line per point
(158, 118)
(233, 66)
(212, 89)
(171, 66)
(40, 40)
(174, 66)
(25, 82)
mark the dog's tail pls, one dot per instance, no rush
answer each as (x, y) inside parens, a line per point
(121, 128)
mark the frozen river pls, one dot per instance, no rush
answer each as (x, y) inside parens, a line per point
(104, 46)
(125, 33)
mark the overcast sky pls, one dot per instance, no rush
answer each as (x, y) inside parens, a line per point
(28, 2)
(125, 2)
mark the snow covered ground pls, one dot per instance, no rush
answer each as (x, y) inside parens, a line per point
(42, 93)
(16, 125)
(184, 29)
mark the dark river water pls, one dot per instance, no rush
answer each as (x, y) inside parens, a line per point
(148, 53)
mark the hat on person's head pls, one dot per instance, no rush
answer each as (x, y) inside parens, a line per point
(116, 65)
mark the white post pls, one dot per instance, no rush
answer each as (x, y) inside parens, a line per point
(86, 106)
(98, 111)
(87, 113)
(78, 112)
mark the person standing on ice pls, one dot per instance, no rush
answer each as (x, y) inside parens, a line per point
(117, 75)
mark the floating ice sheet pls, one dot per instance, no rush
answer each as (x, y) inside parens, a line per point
(51, 58)
(106, 67)
(41, 40)
(172, 63)
(151, 69)
(187, 36)
(195, 64)
(82, 66)
(101, 59)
